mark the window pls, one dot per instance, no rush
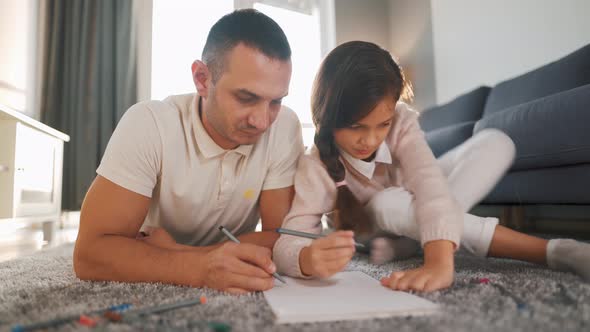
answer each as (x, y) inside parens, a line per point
(308, 24)
(179, 32)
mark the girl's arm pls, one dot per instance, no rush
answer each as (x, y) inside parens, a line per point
(437, 213)
(439, 217)
(314, 195)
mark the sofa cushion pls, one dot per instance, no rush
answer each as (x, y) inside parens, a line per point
(466, 107)
(443, 139)
(556, 185)
(551, 131)
(564, 74)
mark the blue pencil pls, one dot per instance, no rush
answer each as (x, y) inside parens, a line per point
(131, 315)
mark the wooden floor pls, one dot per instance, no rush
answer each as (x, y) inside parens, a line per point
(22, 239)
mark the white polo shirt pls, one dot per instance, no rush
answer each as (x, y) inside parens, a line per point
(161, 150)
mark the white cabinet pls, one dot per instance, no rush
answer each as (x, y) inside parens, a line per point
(31, 159)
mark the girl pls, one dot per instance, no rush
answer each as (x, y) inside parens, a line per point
(371, 165)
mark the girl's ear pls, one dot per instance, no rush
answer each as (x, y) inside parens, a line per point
(201, 77)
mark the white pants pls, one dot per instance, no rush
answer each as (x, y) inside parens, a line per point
(472, 169)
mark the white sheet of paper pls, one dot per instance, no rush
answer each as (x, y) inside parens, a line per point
(346, 296)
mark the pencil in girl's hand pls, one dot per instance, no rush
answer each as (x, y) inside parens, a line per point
(308, 235)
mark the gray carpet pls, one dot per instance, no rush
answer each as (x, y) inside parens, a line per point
(518, 297)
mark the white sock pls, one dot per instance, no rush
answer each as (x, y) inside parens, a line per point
(385, 249)
(569, 255)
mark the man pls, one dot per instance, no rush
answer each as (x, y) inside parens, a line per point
(186, 165)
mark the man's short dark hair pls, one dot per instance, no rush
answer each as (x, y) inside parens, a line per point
(247, 26)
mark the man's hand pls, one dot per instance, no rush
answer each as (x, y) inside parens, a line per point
(328, 255)
(235, 268)
(437, 272)
(238, 268)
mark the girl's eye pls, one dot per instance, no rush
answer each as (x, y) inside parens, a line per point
(386, 124)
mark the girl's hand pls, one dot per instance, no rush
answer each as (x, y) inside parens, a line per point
(437, 272)
(423, 279)
(328, 255)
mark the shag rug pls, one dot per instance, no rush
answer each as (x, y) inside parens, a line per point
(488, 295)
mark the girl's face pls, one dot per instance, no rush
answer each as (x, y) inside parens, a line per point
(362, 139)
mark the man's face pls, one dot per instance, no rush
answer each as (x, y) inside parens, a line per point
(246, 98)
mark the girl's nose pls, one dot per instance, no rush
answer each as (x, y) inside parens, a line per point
(369, 140)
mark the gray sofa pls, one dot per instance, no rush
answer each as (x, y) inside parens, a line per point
(546, 112)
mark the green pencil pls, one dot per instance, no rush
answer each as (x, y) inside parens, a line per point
(309, 235)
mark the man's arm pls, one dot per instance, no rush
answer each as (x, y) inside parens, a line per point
(274, 206)
(107, 249)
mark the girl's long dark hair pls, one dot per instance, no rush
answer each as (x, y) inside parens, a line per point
(353, 79)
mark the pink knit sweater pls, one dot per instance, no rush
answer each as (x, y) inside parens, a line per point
(409, 164)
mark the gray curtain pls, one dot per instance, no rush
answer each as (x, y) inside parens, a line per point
(89, 80)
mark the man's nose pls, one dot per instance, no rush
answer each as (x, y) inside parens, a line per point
(260, 118)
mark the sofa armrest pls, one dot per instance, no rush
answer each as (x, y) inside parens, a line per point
(465, 108)
(548, 132)
(444, 139)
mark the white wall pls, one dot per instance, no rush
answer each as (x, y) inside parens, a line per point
(18, 58)
(366, 20)
(410, 27)
(402, 27)
(485, 42)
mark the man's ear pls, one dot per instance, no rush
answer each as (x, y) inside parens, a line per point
(201, 77)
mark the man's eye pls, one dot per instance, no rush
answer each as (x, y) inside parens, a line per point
(246, 100)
